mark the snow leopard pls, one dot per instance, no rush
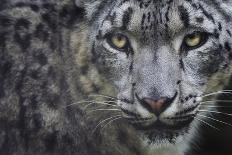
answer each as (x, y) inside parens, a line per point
(99, 77)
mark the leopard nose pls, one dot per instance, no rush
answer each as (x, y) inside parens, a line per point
(157, 106)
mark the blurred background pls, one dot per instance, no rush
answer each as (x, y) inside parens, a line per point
(212, 141)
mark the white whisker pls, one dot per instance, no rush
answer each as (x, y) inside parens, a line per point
(223, 101)
(105, 96)
(111, 122)
(216, 112)
(101, 122)
(79, 102)
(103, 110)
(105, 103)
(215, 120)
(212, 106)
(216, 93)
(207, 124)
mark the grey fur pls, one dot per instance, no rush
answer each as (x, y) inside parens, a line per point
(47, 63)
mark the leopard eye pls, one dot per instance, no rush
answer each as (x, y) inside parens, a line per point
(195, 40)
(118, 41)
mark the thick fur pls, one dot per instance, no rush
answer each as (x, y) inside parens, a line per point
(51, 58)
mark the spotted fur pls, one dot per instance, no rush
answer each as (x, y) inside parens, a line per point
(53, 55)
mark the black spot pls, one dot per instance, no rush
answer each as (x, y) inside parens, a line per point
(67, 140)
(190, 96)
(22, 24)
(34, 74)
(37, 120)
(178, 82)
(184, 16)
(52, 73)
(84, 69)
(200, 19)
(3, 37)
(143, 21)
(5, 21)
(22, 36)
(182, 64)
(51, 141)
(42, 59)
(48, 6)
(34, 102)
(69, 15)
(227, 46)
(208, 15)
(20, 4)
(99, 35)
(228, 31)
(219, 26)
(149, 17)
(23, 41)
(41, 33)
(34, 7)
(216, 34)
(50, 20)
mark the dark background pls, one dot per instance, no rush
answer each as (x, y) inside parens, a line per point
(211, 141)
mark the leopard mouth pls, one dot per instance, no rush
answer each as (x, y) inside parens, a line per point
(157, 131)
(178, 124)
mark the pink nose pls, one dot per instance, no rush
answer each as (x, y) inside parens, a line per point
(155, 105)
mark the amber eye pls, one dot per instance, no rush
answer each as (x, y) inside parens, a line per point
(195, 40)
(118, 41)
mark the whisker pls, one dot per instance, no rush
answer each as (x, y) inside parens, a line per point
(91, 111)
(101, 122)
(105, 96)
(111, 122)
(215, 120)
(223, 101)
(216, 112)
(102, 103)
(86, 101)
(212, 106)
(79, 102)
(227, 90)
(207, 124)
(216, 93)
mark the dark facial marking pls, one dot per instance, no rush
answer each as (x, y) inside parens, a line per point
(208, 15)
(126, 18)
(182, 64)
(228, 31)
(184, 16)
(219, 26)
(227, 46)
(200, 19)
